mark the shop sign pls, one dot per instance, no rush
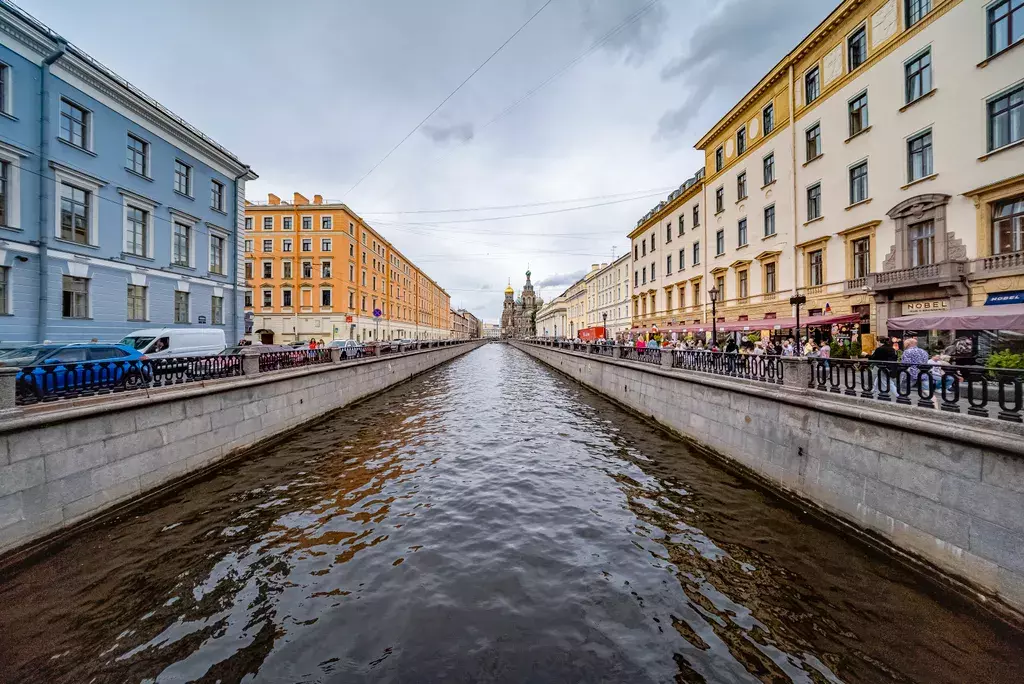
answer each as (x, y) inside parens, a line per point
(995, 298)
(929, 306)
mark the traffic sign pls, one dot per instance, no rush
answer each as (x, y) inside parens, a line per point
(377, 313)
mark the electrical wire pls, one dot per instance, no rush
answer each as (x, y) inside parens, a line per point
(643, 193)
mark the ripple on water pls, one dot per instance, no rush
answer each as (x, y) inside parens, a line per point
(489, 521)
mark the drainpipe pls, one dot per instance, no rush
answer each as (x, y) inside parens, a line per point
(794, 212)
(44, 195)
(234, 263)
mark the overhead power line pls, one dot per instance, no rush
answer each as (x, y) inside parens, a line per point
(644, 193)
(450, 95)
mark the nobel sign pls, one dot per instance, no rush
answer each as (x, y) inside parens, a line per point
(929, 306)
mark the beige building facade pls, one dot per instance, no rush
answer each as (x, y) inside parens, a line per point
(609, 298)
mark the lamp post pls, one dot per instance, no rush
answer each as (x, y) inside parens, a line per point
(797, 301)
(604, 315)
(713, 293)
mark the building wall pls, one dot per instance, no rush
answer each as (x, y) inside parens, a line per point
(113, 111)
(367, 273)
(940, 493)
(612, 289)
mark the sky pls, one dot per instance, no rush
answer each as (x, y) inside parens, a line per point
(572, 131)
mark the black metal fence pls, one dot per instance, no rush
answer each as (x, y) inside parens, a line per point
(762, 368)
(975, 390)
(279, 360)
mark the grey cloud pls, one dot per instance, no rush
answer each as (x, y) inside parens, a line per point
(561, 279)
(461, 132)
(635, 40)
(740, 39)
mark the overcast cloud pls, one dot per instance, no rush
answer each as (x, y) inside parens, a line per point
(313, 94)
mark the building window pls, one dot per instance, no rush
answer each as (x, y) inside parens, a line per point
(720, 284)
(652, 242)
(75, 299)
(741, 186)
(921, 237)
(268, 299)
(668, 232)
(286, 245)
(74, 214)
(636, 252)
(1005, 25)
(182, 178)
(268, 246)
(181, 245)
(636, 278)
(812, 86)
(696, 253)
(681, 225)
(268, 269)
(216, 310)
(325, 297)
(286, 223)
(813, 142)
(769, 278)
(286, 298)
(720, 242)
(325, 245)
(916, 9)
(326, 223)
(248, 222)
(814, 202)
(74, 124)
(247, 299)
(742, 282)
(696, 216)
(741, 141)
(307, 270)
(652, 272)
(1006, 117)
(741, 232)
(769, 169)
(918, 76)
(815, 271)
(668, 265)
(857, 48)
(136, 303)
(352, 272)
(861, 257)
(268, 223)
(919, 156)
(307, 245)
(858, 114)
(719, 200)
(307, 223)
(719, 159)
(248, 270)
(643, 247)
(5, 89)
(696, 294)
(138, 155)
(325, 269)
(136, 240)
(643, 273)
(248, 246)
(1008, 226)
(286, 270)
(768, 118)
(217, 243)
(682, 259)
(859, 182)
(216, 195)
(769, 221)
(181, 307)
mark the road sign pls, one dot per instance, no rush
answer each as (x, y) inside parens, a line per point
(202, 319)
(377, 313)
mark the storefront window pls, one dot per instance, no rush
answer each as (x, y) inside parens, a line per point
(921, 238)
(1008, 226)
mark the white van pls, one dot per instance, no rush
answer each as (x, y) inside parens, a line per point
(177, 341)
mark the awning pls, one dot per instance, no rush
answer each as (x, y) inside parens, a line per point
(1004, 317)
(788, 322)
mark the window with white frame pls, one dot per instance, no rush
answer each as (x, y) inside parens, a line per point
(181, 244)
(857, 48)
(136, 302)
(768, 118)
(812, 85)
(286, 298)
(74, 297)
(268, 299)
(74, 124)
(741, 186)
(720, 242)
(182, 178)
(741, 232)
(1008, 226)
(741, 141)
(138, 155)
(768, 167)
(769, 221)
(268, 269)
(813, 142)
(859, 182)
(1006, 117)
(75, 213)
(325, 244)
(217, 246)
(1005, 25)
(268, 246)
(216, 310)
(919, 156)
(248, 222)
(286, 223)
(181, 307)
(719, 159)
(814, 202)
(6, 89)
(918, 76)
(268, 223)
(247, 298)
(816, 268)
(4, 290)
(136, 240)
(325, 269)
(216, 195)
(286, 270)
(248, 246)
(921, 243)
(307, 245)
(326, 223)
(286, 245)
(325, 297)
(307, 269)
(248, 270)
(858, 114)
(307, 223)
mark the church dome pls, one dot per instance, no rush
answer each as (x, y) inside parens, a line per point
(509, 290)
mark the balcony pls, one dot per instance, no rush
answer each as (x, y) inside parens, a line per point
(856, 283)
(945, 273)
(1000, 264)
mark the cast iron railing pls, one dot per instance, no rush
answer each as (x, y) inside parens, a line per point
(279, 360)
(642, 354)
(762, 368)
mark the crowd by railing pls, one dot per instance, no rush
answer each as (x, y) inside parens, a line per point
(975, 390)
(55, 382)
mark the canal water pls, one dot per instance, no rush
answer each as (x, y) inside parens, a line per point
(488, 521)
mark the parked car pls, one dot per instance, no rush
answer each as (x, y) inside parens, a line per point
(82, 366)
(159, 342)
(28, 355)
(350, 349)
(238, 350)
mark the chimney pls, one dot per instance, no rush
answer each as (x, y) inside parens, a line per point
(604, 265)
(273, 199)
(318, 199)
(297, 199)
(594, 267)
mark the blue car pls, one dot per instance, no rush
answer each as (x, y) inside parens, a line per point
(70, 368)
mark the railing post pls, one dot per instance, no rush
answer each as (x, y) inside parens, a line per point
(250, 362)
(7, 392)
(797, 373)
(335, 354)
(666, 357)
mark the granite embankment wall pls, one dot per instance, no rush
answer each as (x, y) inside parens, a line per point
(948, 489)
(61, 466)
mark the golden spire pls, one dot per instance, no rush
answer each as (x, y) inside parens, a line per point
(509, 290)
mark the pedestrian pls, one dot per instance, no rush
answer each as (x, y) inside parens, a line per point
(787, 347)
(312, 343)
(913, 358)
(730, 346)
(640, 344)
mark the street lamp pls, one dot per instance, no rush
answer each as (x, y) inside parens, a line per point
(604, 315)
(797, 301)
(713, 293)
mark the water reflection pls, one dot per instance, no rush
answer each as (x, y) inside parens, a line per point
(487, 522)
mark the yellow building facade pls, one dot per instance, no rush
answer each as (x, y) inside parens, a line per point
(316, 269)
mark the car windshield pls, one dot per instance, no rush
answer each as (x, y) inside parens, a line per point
(139, 343)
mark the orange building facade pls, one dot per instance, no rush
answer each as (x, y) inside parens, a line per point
(317, 270)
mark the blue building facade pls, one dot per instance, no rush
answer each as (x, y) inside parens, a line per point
(115, 214)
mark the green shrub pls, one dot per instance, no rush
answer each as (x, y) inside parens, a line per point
(1005, 359)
